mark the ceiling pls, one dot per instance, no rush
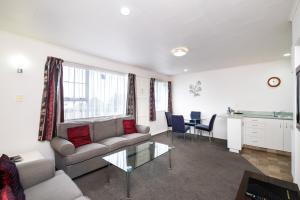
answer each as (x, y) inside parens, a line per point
(218, 33)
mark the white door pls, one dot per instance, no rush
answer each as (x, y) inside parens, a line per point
(274, 134)
(287, 135)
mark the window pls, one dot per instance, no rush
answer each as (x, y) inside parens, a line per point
(93, 93)
(161, 95)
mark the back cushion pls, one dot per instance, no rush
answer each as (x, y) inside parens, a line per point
(120, 128)
(104, 129)
(62, 128)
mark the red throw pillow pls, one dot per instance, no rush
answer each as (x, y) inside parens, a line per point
(129, 126)
(79, 135)
(10, 180)
(7, 194)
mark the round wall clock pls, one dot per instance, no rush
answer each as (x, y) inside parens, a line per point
(274, 81)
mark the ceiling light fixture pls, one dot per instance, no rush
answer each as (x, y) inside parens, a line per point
(287, 55)
(125, 11)
(180, 51)
(185, 70)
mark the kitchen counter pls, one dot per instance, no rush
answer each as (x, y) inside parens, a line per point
(262, 114)
(269, 130)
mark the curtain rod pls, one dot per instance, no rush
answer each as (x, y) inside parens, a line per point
(100, 68)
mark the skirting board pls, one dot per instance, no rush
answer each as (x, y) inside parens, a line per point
(284, 153)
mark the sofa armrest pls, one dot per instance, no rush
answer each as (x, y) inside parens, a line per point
(62, 146)
(35, 172)
(143, 129)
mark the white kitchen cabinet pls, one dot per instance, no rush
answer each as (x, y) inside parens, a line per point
(287, 135)
(259, 132)
(234, 134)
(268, 133)
(254, 131)
(274, 134)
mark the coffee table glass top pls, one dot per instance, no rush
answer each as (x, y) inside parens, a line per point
(133, 157)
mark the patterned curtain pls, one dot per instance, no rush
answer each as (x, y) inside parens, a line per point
(170, 106)
(131, 96)
(52, 109)
(152, 114)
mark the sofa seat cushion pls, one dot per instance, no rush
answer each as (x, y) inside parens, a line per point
(86, 152)
(114, 143)
(135, 138)
(59, 187)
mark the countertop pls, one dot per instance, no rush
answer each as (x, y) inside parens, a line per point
(261, 114)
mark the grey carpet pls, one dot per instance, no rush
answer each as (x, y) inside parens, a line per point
(201, 170)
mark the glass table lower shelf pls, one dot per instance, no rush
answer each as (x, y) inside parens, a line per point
(132, 157)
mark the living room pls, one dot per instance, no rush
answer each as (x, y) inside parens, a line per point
(61, 70)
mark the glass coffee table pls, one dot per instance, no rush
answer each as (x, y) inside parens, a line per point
(132, 157)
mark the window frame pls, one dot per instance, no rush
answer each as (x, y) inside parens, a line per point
(158, 109)
(88, 70)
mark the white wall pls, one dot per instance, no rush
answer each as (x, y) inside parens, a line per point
(20, 120)
(296, 62)
(243, 88)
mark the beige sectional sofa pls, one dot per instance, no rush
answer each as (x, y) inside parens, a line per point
(107, 136)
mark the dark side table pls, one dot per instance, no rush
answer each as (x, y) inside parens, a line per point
(247, 175)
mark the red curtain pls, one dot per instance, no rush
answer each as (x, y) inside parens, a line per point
(152, 113)
(170, 105)
(131, 96)
(52, 109)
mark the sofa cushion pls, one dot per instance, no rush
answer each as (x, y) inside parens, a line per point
(135, 138)
(114, 143)
(79, 135)
(59, 187)
(86, 152)
(129, 126)
(62, 128)
(119, 124)
(45, 168)
(104, 129)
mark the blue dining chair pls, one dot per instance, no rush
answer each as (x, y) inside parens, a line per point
(169, 121)
(209, 128)
(195, 118)
(178, 125)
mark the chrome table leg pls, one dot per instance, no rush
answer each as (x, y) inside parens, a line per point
(108, 173)
(128, 185)
(170, 158)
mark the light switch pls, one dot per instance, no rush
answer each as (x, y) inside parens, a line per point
(19, 98)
